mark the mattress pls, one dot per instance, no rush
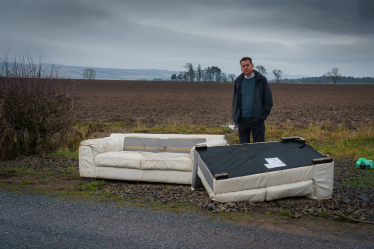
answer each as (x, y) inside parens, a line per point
(268, 167)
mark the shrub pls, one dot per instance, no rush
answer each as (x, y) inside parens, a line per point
(35, 106)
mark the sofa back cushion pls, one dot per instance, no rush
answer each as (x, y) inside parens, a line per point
(151, 144)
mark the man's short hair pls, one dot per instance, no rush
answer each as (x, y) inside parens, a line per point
(246, 59)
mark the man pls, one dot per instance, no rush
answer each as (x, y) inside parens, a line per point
(251, 103)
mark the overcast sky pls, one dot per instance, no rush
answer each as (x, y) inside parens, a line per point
(300, 37)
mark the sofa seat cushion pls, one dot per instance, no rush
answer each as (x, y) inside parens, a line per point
(121, 159)
(168, 161)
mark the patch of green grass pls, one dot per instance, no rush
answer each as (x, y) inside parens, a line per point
(267, 214)
(227, 129)
(2, 183)
(66, 153)
(8, 169)
(22, 169)
(365, 180)
(285, 212)
(91, 186)
(74, 175)
(29, 171)
(324, 214)
(232, 138)
(25, 182)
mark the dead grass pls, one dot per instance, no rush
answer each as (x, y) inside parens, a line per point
(340, 142)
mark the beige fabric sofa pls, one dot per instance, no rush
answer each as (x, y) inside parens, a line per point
(143, 157)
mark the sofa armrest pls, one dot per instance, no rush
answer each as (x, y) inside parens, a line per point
(103, 145)
(87, 162)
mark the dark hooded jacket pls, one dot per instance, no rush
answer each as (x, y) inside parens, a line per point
(263, 100)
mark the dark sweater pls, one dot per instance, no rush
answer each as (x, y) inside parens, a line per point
(248, 87)
(263, 100)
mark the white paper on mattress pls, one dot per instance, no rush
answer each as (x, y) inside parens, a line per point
(289, 190)
(167, 161)
(253, 195)
(103, 145)
(86, 162)
(121, 159)
(323, 180)
(289, 176)
(179, 177)
(239, 183)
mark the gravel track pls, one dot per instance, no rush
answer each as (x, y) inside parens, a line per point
(34, 221)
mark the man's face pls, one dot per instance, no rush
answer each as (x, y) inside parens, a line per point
(246, 67)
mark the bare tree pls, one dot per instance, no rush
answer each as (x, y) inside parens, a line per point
(261, 69)
(208, 74)
(190, 71)
(278, 74)
(223, 77)
(216, 73)
(89, 74)
(333, 75)
(231, 77)
(199, 73)
(180, 75)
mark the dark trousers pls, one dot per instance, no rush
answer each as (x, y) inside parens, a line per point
(245, 128)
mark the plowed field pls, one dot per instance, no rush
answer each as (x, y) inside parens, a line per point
(157, 103)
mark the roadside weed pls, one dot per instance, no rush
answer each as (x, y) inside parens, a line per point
(285, 212)
(91, 186)
(324, 214)
(364, 180)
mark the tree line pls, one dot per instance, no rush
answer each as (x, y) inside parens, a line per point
(322, 80)
(208, 74)
(214, 74)
(333, 76)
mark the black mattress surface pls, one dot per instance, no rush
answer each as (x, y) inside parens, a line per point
(249, 159)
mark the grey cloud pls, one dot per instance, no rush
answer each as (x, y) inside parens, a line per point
(167, 33)
(365, 10)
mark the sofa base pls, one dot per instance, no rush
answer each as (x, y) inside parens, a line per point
(167, 176)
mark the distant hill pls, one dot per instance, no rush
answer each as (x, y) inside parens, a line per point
(137, 74)
(289, 76)
(74, 72)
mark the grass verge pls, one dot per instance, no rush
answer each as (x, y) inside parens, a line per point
(340, 142)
